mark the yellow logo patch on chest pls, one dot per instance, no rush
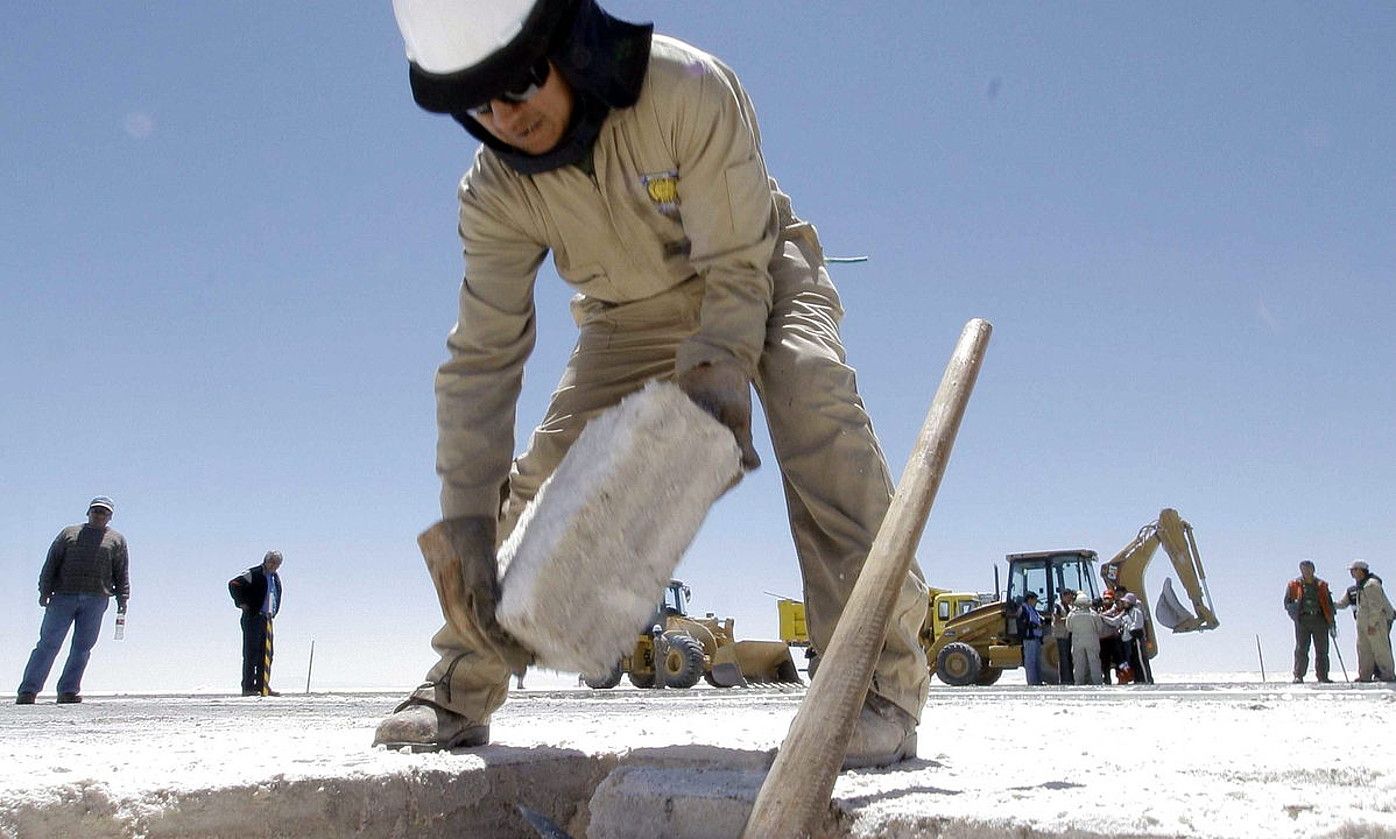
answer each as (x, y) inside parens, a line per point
(663, 191)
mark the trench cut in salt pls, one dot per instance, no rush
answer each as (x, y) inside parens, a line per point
(591, 555)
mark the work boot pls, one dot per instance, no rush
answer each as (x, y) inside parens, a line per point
(68, 699)
(1298, 680)
(422, 727)
(25, 699)
(883, 735)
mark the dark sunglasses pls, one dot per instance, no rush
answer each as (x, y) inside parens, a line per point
(532, 83)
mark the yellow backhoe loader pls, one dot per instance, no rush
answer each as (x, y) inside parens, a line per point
(973, 643)
(697, 648)
(943, 606)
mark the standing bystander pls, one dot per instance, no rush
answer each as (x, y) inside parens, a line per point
(1134, 633)
(1374, 615)
(1030, 630)
(86, 566)
(1084, 631)
(1310, 605)
(1112, 648)
(1061, 610)
(257, 592)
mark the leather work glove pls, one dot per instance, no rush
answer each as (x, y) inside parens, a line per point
(724, 391)
(472, 539)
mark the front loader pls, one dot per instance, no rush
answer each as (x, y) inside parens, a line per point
(697, 648)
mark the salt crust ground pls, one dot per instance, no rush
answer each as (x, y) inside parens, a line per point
(1196, 759)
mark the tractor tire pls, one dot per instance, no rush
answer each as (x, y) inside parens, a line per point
(642, 680)
(683, 661)
(959, 664)
(988, 676)
(605, 681)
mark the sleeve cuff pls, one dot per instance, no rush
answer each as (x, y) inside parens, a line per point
(457, 502)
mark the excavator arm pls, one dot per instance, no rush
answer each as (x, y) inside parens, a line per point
(1127, 568)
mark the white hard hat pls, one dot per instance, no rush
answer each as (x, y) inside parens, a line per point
(447, 36)
(463, 53)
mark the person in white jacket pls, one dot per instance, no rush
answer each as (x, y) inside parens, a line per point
(1374, 615)
(1085, 628)
(1132, 631)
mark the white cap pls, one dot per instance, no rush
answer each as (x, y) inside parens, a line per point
(447, 36)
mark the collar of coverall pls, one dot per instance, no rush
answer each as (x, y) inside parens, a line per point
(603, 59)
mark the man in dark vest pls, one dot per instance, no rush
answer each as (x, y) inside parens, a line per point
(257, 592)
(1310, 606)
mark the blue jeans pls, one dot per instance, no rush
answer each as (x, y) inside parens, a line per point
(1032, 660)
(65, 610)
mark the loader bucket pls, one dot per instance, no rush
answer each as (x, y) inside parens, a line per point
(726, 672)
(766, 661)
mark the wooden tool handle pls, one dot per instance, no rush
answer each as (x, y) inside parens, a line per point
(798, 788)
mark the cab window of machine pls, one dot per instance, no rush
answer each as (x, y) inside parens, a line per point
(1029, 576)
(1075, 576)
(674, 600)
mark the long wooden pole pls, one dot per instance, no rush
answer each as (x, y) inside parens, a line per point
(798, 788)
(310, 666)
(1260, 655)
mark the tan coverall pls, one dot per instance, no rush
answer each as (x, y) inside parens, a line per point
(683, 251)
(1374, 614)
(1085, 629)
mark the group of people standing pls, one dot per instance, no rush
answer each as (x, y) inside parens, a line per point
(87, 565)
(1311, 606)
(1093, 638)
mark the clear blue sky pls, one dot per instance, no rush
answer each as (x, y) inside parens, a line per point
(228, 265)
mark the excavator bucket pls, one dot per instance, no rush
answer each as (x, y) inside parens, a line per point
(1171, 612)
(1178, 541)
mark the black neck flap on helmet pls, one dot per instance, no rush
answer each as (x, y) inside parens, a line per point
(603, 59)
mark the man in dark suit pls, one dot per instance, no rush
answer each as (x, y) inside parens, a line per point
(257, 592)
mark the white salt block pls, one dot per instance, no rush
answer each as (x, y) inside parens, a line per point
(591, 555)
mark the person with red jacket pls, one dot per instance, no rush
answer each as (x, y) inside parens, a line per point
(1310, 606)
